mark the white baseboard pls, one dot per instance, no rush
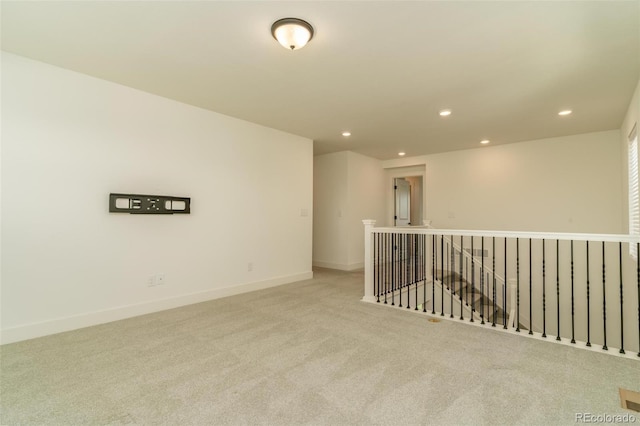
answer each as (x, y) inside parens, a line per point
(59, 325)
(339, 266)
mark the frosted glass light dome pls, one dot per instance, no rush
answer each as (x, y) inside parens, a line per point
(292, 33)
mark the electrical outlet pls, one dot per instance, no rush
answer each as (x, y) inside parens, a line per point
(250, 266)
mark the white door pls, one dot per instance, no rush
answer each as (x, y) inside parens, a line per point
(403, 202)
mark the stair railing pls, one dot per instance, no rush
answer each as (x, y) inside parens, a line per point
(578, 287)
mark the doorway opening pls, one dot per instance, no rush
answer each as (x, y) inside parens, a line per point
(408, 201)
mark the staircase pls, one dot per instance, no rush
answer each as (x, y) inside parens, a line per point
(457, 286)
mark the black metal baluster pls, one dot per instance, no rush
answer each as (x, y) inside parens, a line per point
(434, 243)
(558, 286)
(621, 301)
(588, 302)
(604, 299)
(407, 269)
(518, 285)
(451, 262)
(466, 277)
(380, 266)
(383, 288)
(376, 272)
(473, 281)
(400, 267)
(493, 273)
(416, 258)
(493, 315)
(461, 292)
(393, 268)
(504, 288)
(451, 277)
(386, 266)
(530, 291)
(423, 244)
(482, 299)
(544, 291)
(573, 324)
(404, 262)
(411, 267)
(487, 301)
(442, 276)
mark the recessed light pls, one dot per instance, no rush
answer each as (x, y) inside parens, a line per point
(445, 112)
(346, 134)
(484, 141)
(401, 154)
(565, 112)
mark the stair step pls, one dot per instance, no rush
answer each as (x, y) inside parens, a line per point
(487, 310)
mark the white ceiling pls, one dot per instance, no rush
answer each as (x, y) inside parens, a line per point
(381, 70)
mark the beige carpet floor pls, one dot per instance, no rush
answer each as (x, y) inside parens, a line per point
(303, 353)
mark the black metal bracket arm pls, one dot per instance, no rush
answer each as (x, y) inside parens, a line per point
(148, 204)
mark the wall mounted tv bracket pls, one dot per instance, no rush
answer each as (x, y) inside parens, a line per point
(148, 204)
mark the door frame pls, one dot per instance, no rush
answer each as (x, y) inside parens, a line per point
(397, 202)
(402, 172)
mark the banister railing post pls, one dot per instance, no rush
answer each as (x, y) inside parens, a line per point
(428, 252)
(369, 295)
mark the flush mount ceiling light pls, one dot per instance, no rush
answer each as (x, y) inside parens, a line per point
(445, 112)
(346, 134)
(401, 154)
(292, 33)
(565, 112)
(484, 141)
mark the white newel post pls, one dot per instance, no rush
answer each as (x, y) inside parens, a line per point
(368, 260)
(427, 252)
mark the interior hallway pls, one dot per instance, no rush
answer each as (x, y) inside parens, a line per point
(303, 353)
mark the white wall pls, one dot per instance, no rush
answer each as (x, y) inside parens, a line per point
(365, 201)
(68, 140)
(330, 211)
(348, 188)
(566, 184)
